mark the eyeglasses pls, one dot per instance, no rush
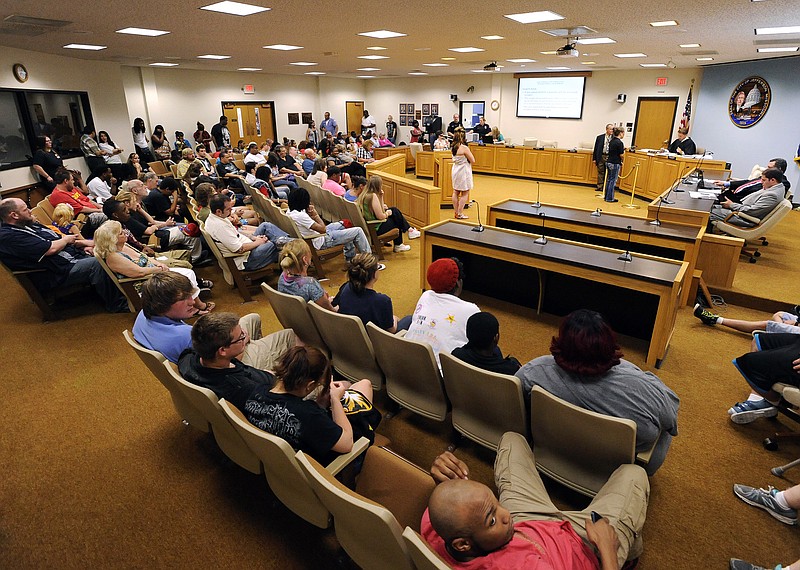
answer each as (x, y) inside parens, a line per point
(240, 339)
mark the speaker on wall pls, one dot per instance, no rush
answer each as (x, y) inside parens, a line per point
(621, 98)
(453, 97)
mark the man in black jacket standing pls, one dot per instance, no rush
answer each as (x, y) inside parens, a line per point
(600, 154)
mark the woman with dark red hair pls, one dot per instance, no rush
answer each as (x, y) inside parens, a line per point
(587, 369)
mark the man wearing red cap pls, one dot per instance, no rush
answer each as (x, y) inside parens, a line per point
(440, 318)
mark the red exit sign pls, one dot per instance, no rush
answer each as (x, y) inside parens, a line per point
(661, 81)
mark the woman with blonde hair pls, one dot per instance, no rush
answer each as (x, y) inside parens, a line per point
(364, 152)
(373, 208)
(110, 245)
(295, 258)
(63, 214)
(462, 172)
(358, 297)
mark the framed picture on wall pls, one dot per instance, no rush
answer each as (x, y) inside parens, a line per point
(294, 118)
(435, 109)
(402, 108)
(402, 119)
(426, 109)
(307, 118)
(418, 114)
(410, 108)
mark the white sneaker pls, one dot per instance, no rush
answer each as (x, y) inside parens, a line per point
(414, 233)
(402, 247)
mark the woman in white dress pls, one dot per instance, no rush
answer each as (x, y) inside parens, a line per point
(462, 173)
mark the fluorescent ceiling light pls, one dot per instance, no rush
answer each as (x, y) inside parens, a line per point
(213, 56)
(492, 38)
(382, 34)
(314, 73)
(235, 8)
(163, 64)
(591, 41)
(588, 63)
(417, 73)
(368, 69)
(377, 48)
(664, 24)
(627, 55)
(365, 76)
(88, 47)
(142, 32)
(779, 30)
(249, 69)
(777, 49)
(282, 47)
(532, 17)
(303, 63)
(704, 58)
(480, 71)
(521, 60)
(652, 65)
(373, 57)
(448, 59)
(551, 52)
(559, 68)
(436, 65)
(689, 45)
(465, 49)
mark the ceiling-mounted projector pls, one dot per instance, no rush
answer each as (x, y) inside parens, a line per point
(491, 66)
(567, 51)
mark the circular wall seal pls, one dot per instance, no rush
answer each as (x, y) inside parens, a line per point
(749, 102)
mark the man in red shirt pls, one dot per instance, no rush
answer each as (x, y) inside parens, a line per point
(469, 528)
(65, 192)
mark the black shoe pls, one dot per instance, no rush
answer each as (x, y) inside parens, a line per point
(614, 200)
(795, 310)
(706, 316)
(204, 260)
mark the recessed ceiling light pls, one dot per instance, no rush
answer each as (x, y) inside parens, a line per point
(422, 49)
(282, 47)
(234, 8)
(142, 32)
(664, 24)
(559, 68)
(532, 17)
(88, 47)
(652, 65)
(779, 30)
(588, 63)
(465, 49)
(377, 48)
(448, 59)
(551, 52)
(704, 58)
(382, 34)
(213, 56)
(368, 69)
(373, 57)
(624, 55)
(417, 73)
(163, 64)
(436, 65)
(249, 69)
(492, 38)
(314, 73)
(365, 76)
(590, 41)
(689, 45)
(303, 63)
(521, 60)
(777, 49)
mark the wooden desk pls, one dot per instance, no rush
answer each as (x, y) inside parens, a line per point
(643, 294)
(672, 241)
(392, 164)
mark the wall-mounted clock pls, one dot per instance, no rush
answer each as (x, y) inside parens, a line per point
(20, 72)
(495, 105)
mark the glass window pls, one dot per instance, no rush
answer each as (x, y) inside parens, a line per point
(60, 116)
(15, 148)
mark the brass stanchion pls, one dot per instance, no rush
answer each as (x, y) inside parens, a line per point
(633, 206)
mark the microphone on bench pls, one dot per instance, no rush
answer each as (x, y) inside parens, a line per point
(541, 240)
(657, 221)
(627, 255)
(479, 227)
(537, 203)
(596, 213)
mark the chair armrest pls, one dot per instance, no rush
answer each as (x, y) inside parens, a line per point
(748, 217)
(375, 222)
(343, 461)
(133, 279)
(27, 271)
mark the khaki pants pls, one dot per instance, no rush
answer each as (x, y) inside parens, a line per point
(264, 353)
(622, 500)
(176, 258)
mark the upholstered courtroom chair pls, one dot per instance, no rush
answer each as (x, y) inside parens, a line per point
(284, 476)
(159, 169)
(485, 404)
(241, 279)
(126, 285)
(355, 215)
(292, 312)
(758, 232)
(424, 557)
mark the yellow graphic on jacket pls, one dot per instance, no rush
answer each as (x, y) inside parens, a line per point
(355, 402)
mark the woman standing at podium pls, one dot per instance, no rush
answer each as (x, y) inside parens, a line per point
(614, 163)
(462, 172)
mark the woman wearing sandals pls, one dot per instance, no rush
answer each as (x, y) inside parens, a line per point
(462, 172)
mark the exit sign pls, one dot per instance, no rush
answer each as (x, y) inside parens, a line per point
(249, 89)
(661, 81)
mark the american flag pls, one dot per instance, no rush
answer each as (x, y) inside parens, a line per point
(687, 111)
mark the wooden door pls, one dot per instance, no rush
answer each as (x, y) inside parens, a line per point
(251, 121)
(355, 112)
(655, 117)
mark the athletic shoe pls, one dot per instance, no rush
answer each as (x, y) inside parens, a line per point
(401, 248)
(612, 200)
(381, 266)
(751, 410)
(736, 564)
(765, 499)
(705, 315)
(414, 233)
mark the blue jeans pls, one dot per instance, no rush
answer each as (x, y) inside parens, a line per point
(351, 238)
(88, 270)
(612, 171)
(266, 253)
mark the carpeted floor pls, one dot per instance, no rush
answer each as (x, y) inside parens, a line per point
(99, 471)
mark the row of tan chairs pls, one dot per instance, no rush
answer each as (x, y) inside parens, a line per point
(577, 447)
(390, 492)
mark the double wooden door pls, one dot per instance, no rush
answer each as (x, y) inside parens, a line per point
(250, 121)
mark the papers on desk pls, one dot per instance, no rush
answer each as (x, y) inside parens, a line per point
(704, 195)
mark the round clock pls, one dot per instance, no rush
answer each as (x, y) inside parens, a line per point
(495, 105)
(20, 72)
